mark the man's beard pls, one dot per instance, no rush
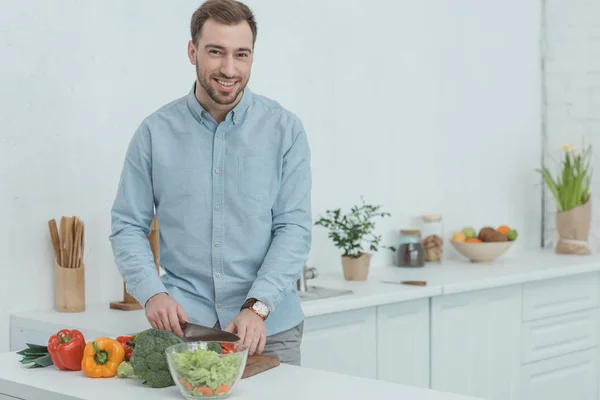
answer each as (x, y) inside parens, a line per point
(212, 93)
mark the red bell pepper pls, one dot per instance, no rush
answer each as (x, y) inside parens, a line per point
(227, 348)
(127, 345)
(66, 349)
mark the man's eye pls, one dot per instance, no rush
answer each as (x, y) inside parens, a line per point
(242, 55)
(214, 52)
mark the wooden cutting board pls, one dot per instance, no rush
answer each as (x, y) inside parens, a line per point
(258, 363)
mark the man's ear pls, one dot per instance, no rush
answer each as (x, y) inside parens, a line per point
(192, 52)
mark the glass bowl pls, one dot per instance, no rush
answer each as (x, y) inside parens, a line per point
(206, 369)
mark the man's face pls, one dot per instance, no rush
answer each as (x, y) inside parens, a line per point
(223, 58)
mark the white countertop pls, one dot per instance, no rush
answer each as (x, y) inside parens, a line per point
(445, 278)
(284, 382)
(514, 268)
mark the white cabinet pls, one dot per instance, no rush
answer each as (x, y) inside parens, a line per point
(403, 343)
(475, 343)
(573, 376)
(389, 342)
(343, 342)
(554, 336)
(560, 328)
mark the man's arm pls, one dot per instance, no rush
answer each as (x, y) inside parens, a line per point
(131, 214)
(292, 226)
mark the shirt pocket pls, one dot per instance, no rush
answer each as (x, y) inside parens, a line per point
(257, 177)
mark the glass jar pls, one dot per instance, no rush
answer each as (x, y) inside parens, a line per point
(433, 238)
(410, 249)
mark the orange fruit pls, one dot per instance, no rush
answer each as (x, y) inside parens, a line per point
(473, 240)
(458, 237)
(503, 229)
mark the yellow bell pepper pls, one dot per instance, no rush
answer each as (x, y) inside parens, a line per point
(101, 357)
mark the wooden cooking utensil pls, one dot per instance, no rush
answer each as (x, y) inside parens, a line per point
(62, 237)
(55, 240)
(82, 243)
(68, 241)
(76, 241)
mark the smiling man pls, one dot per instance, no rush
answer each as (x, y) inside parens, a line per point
(227, 172)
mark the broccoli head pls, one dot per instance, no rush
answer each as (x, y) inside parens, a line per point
(149, 361)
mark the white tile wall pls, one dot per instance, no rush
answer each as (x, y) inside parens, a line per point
(572, 88)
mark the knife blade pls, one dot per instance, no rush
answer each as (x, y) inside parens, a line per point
(194, 333)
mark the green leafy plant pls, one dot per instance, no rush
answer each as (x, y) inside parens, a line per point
(353, 232)
(571, 187)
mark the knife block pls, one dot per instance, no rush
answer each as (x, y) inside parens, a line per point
(129, 302)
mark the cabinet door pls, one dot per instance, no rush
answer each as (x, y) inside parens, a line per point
(403, 343)
(476, 343)
(342, 342)
(573, 376)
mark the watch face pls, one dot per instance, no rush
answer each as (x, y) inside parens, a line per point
(261, 308)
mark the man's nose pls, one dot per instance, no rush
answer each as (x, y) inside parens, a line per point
(227, 67)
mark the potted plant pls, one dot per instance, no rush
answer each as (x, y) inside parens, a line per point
(353, 233)
(571, 192)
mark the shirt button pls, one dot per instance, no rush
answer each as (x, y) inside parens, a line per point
(217, 170)
(217, 208)
(219, 134)
(235, 118)
(217, 244)
(219, 305)
(218, 275)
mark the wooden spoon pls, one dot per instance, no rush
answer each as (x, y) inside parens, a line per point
(62, 238)
(82, 242)
(68, 241)
(75, 250)
(55, 240)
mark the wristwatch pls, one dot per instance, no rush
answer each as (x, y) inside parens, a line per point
(258, 307)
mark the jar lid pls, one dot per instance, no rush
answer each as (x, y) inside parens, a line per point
(410, 232)
(432, 218)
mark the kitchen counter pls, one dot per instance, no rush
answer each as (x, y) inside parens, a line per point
(449, 277)
(458, 276)
(419, 335)
(284, 382)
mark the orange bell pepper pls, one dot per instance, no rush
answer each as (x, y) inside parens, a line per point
(102, 357)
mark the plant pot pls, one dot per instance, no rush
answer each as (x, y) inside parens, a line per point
(356, 269)
(573, 228)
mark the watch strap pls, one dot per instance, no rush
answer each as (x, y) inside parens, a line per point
(248, 305)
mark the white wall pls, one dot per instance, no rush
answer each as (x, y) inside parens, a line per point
(572, 82)
(431, 106)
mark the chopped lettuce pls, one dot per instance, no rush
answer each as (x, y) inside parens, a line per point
(207, 368)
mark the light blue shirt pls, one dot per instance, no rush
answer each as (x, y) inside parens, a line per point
(233, 203)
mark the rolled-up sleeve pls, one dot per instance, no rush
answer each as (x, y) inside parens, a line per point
(131, 216)
(292, 226)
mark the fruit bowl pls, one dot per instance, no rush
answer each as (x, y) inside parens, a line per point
(207, 370)
(482, 252)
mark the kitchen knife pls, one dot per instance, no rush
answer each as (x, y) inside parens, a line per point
(414, 283)
(194, 332)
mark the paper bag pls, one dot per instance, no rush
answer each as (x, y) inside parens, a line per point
(573, 229)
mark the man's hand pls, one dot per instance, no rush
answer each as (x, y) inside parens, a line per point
(251, 329)
(165, 314)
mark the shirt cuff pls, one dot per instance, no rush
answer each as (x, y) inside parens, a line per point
(261, 295)
(148, 288)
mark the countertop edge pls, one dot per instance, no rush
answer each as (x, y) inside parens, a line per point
(368, 301)
(517, 279)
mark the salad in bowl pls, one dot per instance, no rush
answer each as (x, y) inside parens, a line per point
(206, 369)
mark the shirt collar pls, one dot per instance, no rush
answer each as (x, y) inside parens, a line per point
(235, 115)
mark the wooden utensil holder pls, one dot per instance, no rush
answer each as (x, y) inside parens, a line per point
(69, 288)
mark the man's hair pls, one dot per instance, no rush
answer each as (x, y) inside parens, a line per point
(228, 12)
